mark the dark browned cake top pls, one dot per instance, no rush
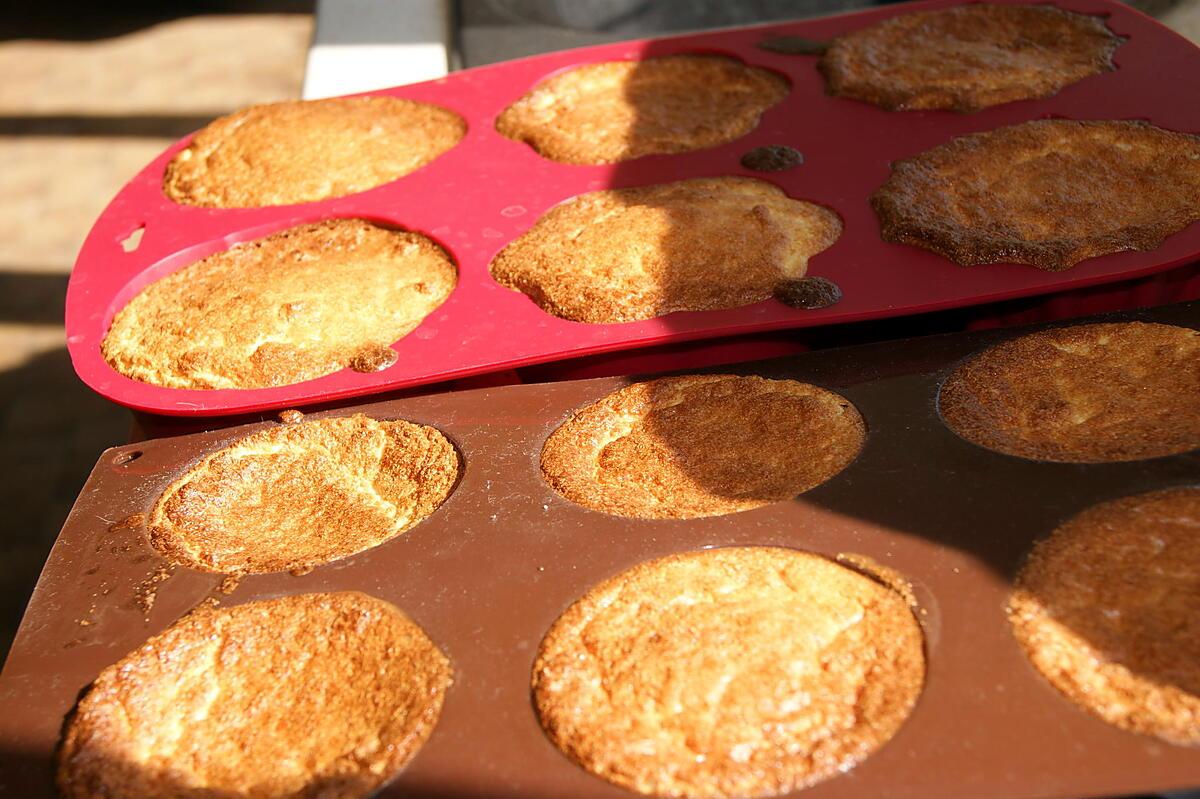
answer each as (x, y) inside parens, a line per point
(1049, 193)
(968, 57)
(620, 255)
(1108, 610)
(299, 152)
(309, 695)
(1082, 394)
(702, 445)
(620, 110)
(301, 495)
(742, 671)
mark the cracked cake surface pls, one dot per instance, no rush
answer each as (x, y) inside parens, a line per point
(305, 151)
(1090, 393)
(296, 496)
(1049, 193)
(740, 671)
(621, 110)
(623, 255)
(1105, 609)
(701, 445)
(292, 306)
(309, 695)
(968, 57)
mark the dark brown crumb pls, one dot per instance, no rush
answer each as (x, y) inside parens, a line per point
(147, 590)
(794, 45)
(1049, 193)
(774, 158)
(808, 293)
(968, 57)
(373, 359)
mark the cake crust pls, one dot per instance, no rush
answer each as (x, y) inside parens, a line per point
(621, 110)
(317, 695)
(623, 255)
(1081, 394)
(1105, 609)
(968, 57)
(701, 445)
(1049, 193)
(298, 496)
(745, 671)
(305, 151)
(294, 306)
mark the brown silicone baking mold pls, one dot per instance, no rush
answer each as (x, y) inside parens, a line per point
(489, 572)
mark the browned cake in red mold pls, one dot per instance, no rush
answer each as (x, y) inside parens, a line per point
(621, 110)
(1049, 193)
(1106, 609)
(1082, 394)
(621, 255)
(308, 695)
(293, 306)
(968, 57)
(300, 152)
(745, 671)
(297, 496)
(701, 445)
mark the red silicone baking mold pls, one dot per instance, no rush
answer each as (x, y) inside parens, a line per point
(488, 190)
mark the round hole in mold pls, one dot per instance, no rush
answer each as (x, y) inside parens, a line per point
(127, 457)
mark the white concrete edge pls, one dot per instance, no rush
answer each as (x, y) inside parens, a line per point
(362, 45)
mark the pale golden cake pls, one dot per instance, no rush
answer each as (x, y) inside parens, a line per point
(300, 152)
(701, 445)
(293, 306)
(747, 671)
(297, 496)
(1049, 193)
(1108, 610)
(1081, 394)
(620, 255)
(325, 695)
(968, 57)
(620, 110)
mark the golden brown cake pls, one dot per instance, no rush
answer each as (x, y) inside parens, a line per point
(297, 496)
(620, 110)
(1049, 193)
(301, 152)
(968, 57)
(312, 695)
(701, 445)
(1106, 609)
(747, 671)
(293, 306)
(1082, 394)
(621, 255)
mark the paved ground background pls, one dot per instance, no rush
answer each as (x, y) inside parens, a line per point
(86, 100)
(90, 93)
